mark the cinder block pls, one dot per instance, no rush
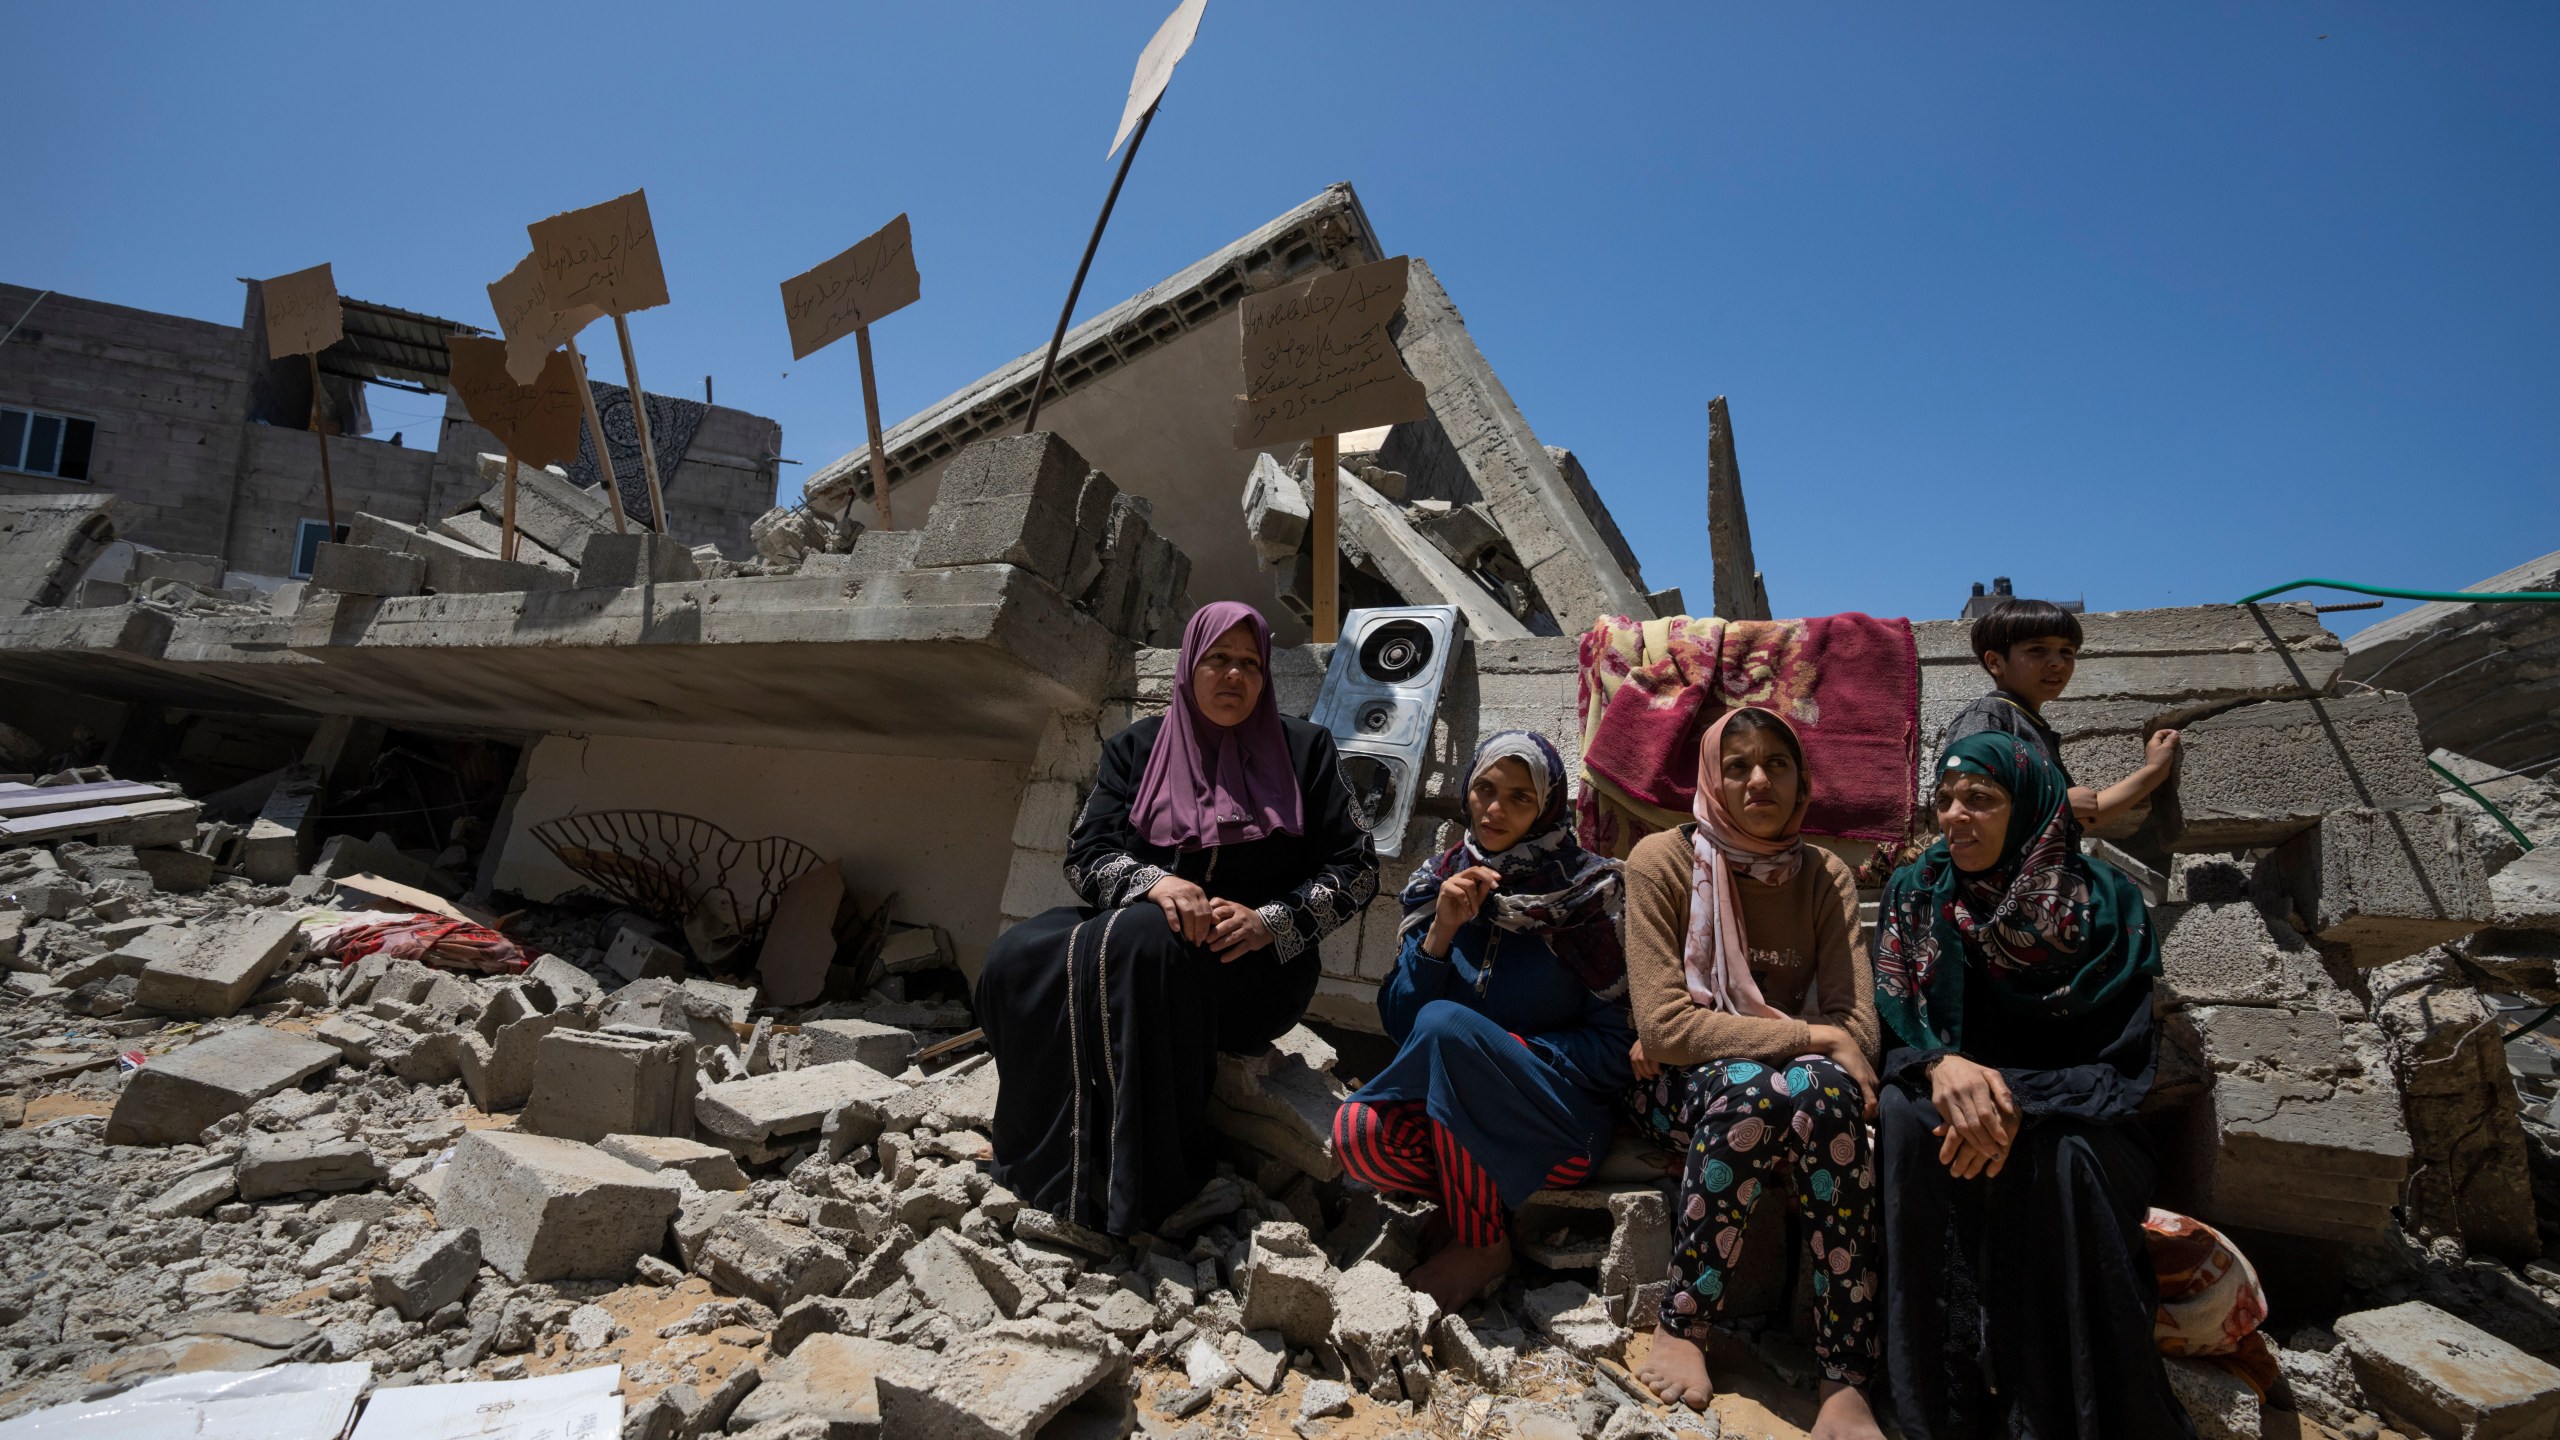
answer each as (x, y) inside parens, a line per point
(367, 570)
(2233, 952)
(708, 1166)
(560, 516)
(453, 567)
(2448, 1379)
(499, 1071)
(769, 1262)
(179, 872)
(2303, 1134)
(788, 1102)
(884, 1048)
(553, 1209)
(221, 965)
(592, 1083)
(170, 1100)
(298, 1160)
(2264, 773)
(639, 557)
(2386, 884)
(1008, 501)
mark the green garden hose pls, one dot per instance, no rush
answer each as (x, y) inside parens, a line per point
(2483, 802)
(2483, 597)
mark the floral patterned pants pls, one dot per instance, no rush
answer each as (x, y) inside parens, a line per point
(1747, 1125)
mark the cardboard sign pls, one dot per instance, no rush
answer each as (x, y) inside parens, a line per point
(1155, 66)
(534, 327)
(538, 422)
(302, 312)
(829, 302)
(605, 255)
(1318, 360)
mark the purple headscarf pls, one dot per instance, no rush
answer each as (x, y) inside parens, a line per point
(1208, 784)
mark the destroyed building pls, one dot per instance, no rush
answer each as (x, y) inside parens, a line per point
(755, 1178)
(204, 441)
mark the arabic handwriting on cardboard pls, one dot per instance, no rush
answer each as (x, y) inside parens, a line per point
(877, 276)
(605, 256)
(1318, 358)
(302, 312)
(538, 423)
(534, 327)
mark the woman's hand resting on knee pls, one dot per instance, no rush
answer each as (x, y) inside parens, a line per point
(1842, 1049)
(1185, 907)
(1461, 896)
(1981, 1117)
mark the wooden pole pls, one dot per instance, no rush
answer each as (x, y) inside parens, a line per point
(507, 516)
(640, 423)
(871, 414)
(1049, 365)
(1328, 506)
(595, 427)
(328, 490)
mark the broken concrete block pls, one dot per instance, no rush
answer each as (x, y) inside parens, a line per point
(884, 1048)
(195, 1195)
(2471, 1172)
(178, 872)
(708, 1166)
(366, 570)
(2221, 1404)
(636, 956)
(1261, 1357)
(453, 565)
(550, 1209)
(910, 949)
(1457, 1347)
(223, 965)
(568, 984)
(588, 1084)
(832, 1379)
(1373, 1321)
(769, 1262)
(1276, 513)
(637, 557)
(1281, 1104)
(2526, 894)
(1631, 1276)
(1286, 1284)
(2263, 773)
(1007, 501)
(2386, 884)
(2237, 952)
(1003, 1383)
(2303, 1134)
(1575, 1318)
(946, 1281)
(2437, 1375)
(789, 1102)
(272, 1165)
(560, 516)
(499, 1072)
(698, 1215)
(430, 1275)
(173, 1098)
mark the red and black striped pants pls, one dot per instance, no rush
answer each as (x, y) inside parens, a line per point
(1398, 1146)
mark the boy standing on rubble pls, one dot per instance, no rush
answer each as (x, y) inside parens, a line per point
(2031, 647)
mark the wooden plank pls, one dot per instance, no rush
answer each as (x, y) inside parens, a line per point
(31, 800)
(410, 897)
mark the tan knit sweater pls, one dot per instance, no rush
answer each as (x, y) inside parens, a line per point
(1803, 941)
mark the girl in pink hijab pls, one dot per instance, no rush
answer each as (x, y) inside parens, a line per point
(1219, 844)
(1755, 1036)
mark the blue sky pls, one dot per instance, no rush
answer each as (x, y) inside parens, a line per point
(2150, 305)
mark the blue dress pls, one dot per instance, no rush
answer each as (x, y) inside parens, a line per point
(1519, 1106)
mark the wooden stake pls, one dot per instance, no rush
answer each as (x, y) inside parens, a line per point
(328, 490)
(871, 414)
(1328, 582)
(507, 515)
(595, 427)
(640, 422)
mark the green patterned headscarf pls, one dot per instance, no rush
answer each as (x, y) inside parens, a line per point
(2051, 931)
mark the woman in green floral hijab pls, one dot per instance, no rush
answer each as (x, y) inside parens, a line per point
(2014, 974)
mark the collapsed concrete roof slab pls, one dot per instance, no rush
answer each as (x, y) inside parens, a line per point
(2485, 678)
(965, 662)
(1146, 391)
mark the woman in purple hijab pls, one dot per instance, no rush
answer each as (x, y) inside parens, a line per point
(1220, 843)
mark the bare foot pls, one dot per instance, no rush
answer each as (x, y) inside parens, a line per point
(1844, 1414)
(1459, 1273)
(1676, 1370)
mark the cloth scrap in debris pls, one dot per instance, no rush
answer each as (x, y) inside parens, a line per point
(576, 1405)
(281, 1402)
(430, 940)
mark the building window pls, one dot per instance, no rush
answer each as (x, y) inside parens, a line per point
(306, 545)
(42, 444)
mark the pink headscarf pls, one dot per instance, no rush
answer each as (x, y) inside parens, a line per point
(1208, 784)
(1716, 956)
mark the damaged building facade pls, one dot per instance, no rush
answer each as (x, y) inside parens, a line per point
(756, 1178)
